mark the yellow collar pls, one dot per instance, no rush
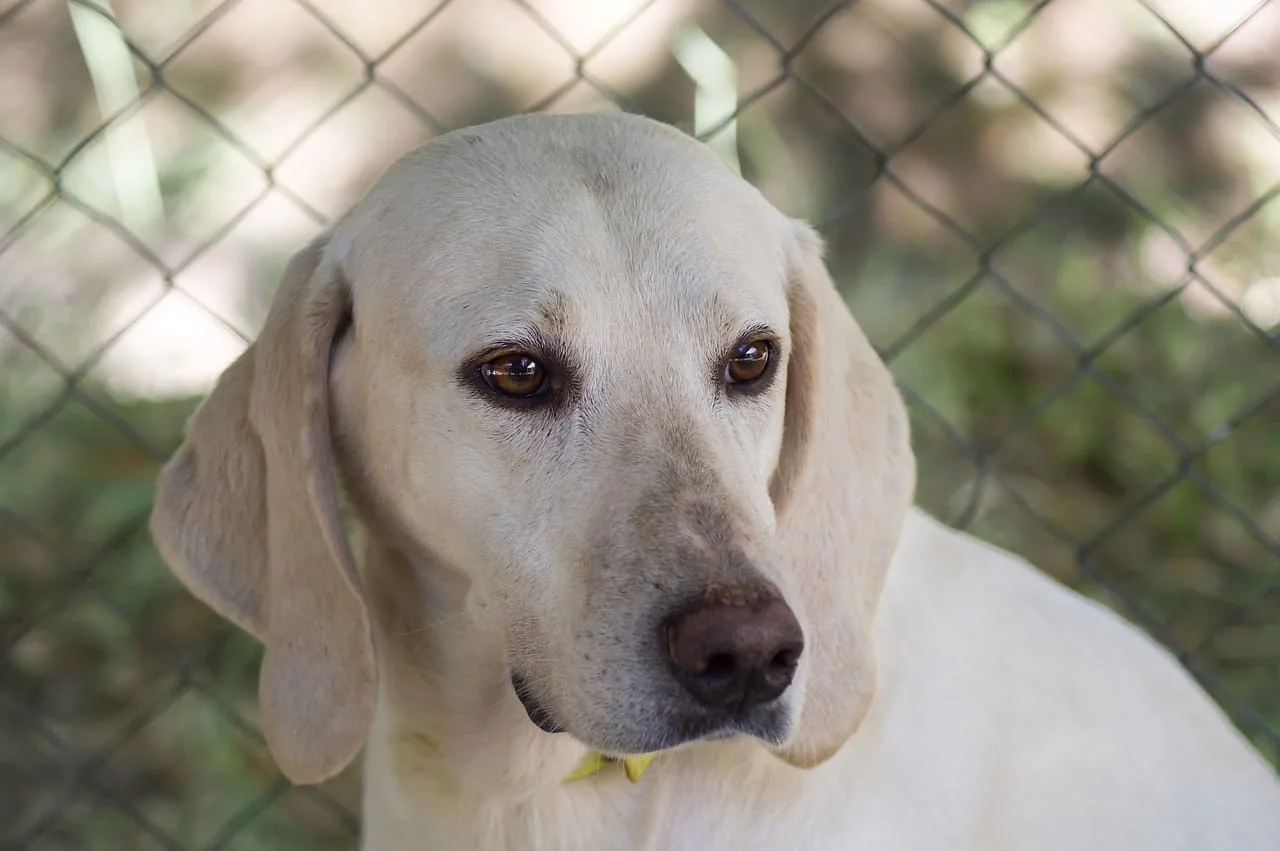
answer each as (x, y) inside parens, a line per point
(594, 762)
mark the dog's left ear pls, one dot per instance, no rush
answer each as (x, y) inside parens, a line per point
(844, 482)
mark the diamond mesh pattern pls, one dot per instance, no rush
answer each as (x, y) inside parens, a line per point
(1053, 218)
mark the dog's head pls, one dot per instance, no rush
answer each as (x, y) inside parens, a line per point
(589, 380)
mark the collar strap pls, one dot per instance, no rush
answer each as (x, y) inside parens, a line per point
(595, 762)
(592, 764)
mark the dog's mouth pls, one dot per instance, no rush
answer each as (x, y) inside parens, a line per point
(538, 713)
(768, 724)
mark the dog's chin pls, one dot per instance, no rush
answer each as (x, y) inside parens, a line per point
(770, 724)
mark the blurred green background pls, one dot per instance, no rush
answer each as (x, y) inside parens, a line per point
(1056, 220)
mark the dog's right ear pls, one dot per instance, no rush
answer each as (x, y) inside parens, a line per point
(247, 516)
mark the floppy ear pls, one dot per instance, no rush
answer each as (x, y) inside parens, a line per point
(247, 516)
(844, 482)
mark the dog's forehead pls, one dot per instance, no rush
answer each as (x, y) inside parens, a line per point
(588, 221)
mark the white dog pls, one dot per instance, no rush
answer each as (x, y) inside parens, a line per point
(640, 568)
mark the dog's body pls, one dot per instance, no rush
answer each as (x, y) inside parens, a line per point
(1010, 714)
(693, 538)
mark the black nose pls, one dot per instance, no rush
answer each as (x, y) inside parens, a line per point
(734, 657)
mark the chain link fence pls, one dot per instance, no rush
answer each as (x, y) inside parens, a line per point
(1055, 220)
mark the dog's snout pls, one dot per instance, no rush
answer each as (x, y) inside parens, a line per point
(734, 657)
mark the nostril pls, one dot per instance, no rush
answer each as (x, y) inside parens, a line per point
(784, 661)
(720, 666)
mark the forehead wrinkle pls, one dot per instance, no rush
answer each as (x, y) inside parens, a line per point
(594, 264)
(691, 290)
(732, 316)
(524, 312)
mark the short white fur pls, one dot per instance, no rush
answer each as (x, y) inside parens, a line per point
(949, 696)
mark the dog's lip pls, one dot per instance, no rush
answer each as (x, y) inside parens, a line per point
(692, 729)
(538, 713)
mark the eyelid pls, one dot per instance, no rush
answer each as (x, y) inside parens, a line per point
(548, 353)
(756, 331)
(532, 346)
(756, 334)
(561, 369)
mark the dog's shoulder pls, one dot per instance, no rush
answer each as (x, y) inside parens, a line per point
(1053, 703)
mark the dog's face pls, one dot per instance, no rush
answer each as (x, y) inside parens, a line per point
(579, 371)
(585, 393)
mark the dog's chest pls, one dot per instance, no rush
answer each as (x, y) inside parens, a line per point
(626, 824)
(686, 813)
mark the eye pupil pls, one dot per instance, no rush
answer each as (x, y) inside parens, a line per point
(516, 375)
(748, 363)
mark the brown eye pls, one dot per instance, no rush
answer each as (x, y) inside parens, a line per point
(516, 375)
(748, 363)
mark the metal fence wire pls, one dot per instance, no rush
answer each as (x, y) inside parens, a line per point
(1055, 220)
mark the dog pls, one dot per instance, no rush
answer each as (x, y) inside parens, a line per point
(640, 566)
